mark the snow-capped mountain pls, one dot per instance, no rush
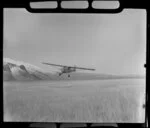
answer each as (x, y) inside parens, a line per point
(17, 70)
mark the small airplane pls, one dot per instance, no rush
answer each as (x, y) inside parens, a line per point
(67, 69)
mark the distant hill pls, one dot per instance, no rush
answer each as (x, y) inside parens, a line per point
(21, 71)
(15, 70)
(92, 76)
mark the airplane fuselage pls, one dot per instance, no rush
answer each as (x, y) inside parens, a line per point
(68, 69)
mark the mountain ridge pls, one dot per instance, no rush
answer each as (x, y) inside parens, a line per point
(15, 70)
(21, 71)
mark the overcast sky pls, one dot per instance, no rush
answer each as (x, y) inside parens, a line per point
(111, 43)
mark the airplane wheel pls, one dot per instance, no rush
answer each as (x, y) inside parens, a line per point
(59, 74)
(68, 75)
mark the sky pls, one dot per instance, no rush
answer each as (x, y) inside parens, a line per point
(110, 43)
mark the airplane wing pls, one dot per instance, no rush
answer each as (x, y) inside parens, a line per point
(84, 68)
(54, 64)
(68, 66)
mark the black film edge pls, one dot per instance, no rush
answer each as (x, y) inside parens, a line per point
(59, 9)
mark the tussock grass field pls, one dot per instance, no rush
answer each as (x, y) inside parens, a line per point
(75, 101)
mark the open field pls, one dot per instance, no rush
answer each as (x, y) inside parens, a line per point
(75, 101)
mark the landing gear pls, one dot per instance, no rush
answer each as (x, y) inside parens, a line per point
(59, 74)
(68, 75)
